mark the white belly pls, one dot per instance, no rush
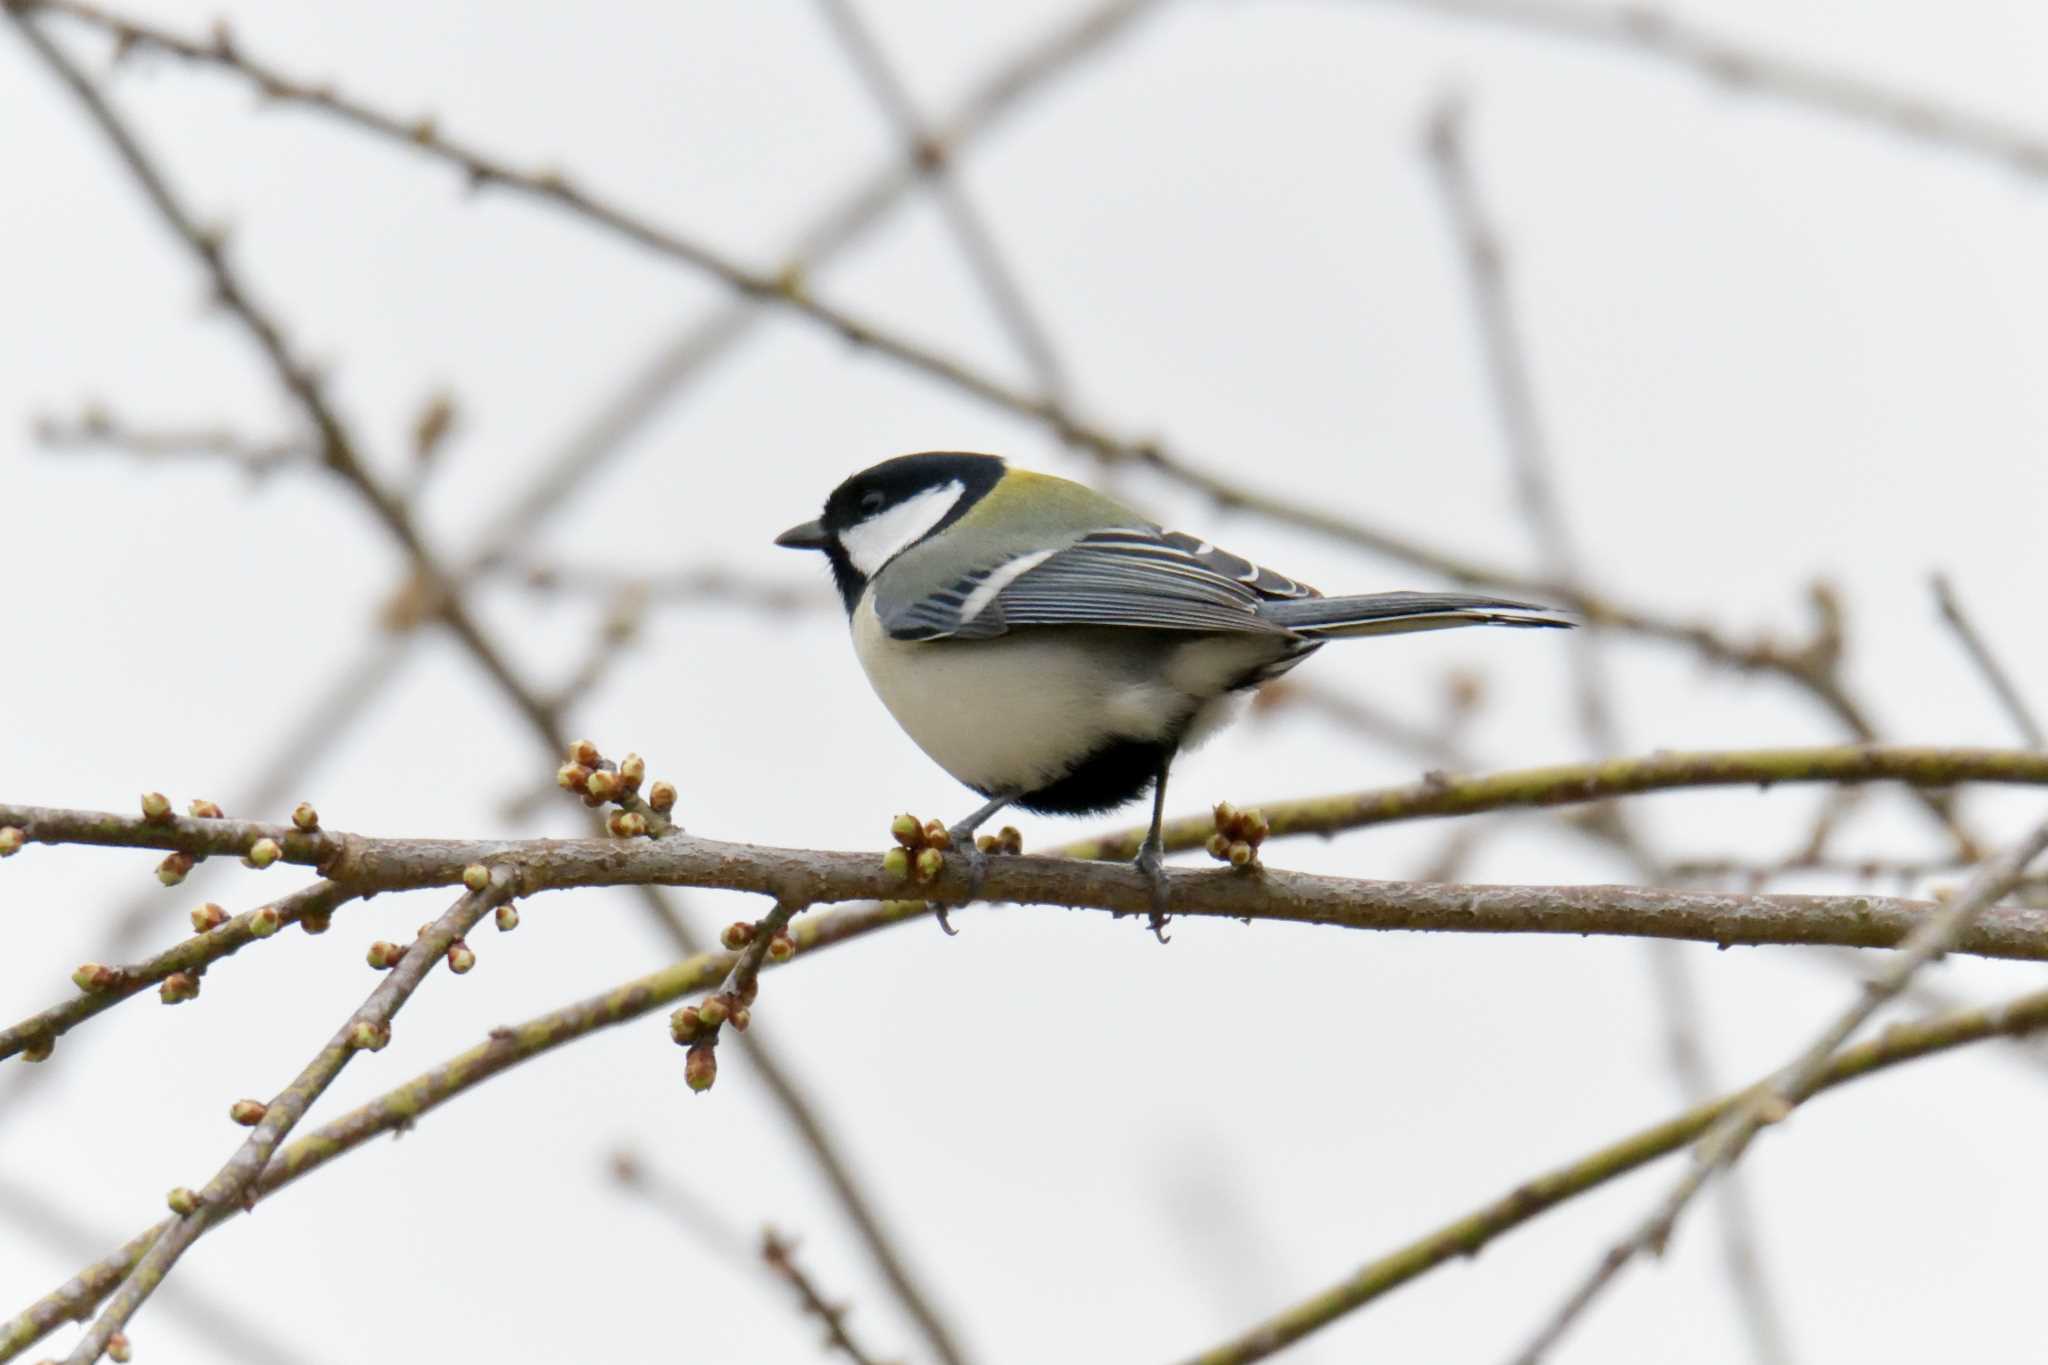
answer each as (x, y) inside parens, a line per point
(1016, 712)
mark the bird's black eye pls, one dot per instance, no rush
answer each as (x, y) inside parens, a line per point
(870, 503)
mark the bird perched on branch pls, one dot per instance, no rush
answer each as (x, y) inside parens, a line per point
(1053, 650)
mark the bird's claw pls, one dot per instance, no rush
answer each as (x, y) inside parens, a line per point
(977, 873)
(1151, 861)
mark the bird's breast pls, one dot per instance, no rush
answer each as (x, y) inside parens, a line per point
(1019, 711)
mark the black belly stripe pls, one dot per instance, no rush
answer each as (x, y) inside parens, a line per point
(1114, 775)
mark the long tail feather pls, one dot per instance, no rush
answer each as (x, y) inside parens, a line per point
(1395, 613)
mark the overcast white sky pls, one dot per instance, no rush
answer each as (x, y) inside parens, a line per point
(1769, 344)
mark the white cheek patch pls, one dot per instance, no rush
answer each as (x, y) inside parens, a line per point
(885, 535)
(978, 600)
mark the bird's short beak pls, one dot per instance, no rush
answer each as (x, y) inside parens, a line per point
(809, 536)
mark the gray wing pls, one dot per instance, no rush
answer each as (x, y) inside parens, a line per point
(1125, 576)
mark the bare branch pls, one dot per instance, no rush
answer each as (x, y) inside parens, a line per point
(368, 1029)
(977, 242)
(1464, 1236)
(780, 1254)
(1810, 668)
(401, 1107)
(1660, 36)
(97, 429)
(1504, 341)
(34, 1036)
(1987, 664)
(796, 878)
(1778, 1095)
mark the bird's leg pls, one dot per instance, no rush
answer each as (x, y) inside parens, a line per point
(1151, 859)
(962, 836)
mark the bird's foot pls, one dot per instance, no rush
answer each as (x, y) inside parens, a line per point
(977, 873)
(1151, 861)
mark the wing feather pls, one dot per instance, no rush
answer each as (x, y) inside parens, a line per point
(1132, 577)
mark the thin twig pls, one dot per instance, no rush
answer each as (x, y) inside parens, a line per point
(192, 957)
(1743, 68)
(368, 1029)
(1504, 341)
(1465, 1236)
(977, 241)
(1987, 664)
(338, 449)
(780, 1256)
(1778, 1095)
(1809, 668)
(98, 429)
(224, 1332)
(400, 1108)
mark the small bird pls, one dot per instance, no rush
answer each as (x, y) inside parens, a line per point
(1053, 650)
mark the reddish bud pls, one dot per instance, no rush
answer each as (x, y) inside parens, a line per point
(182, 1201)
(264, 852)
(178, 987)
(368, 1037)
(118, 1349)
(11, 840)
(1242, 854)
(571, 776)
(781, 948)
(93, 977)
(906, 830)
(737, 935)
(208, 916)
(602, 785)
(460, 958)
(662, 797)
(265, 922)
(632, 771)
(248, 1113)
(173, 868)
(632, 825)
(317, 921)
(156, 808)
(1226, 815)
(937, 836)
(508, 918)
(930, 863)
(713, 1011)
(700, 1068)
(476, 876)
(200, 809)
(305, 817)
(384, 956)
(38, 1048)
(685, 1025)
(741, 1017)
(585, 753)
(1219, 846)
